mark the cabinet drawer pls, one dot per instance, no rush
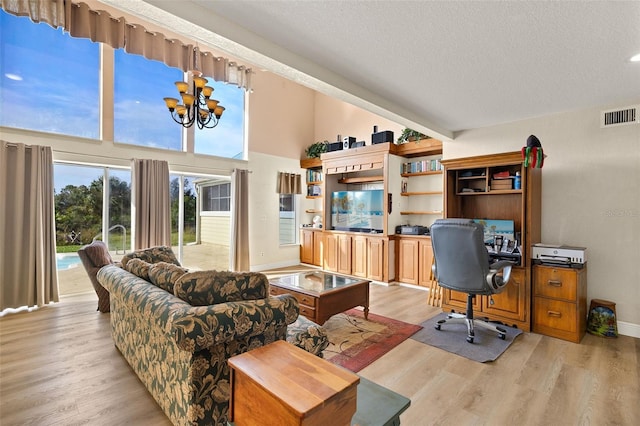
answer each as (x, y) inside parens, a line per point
(558, 283)
(555, 314)
(308, 312)
(302, 298)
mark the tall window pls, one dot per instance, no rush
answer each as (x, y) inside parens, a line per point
(287, 219)
(227, 139)
(49, 80)
(140, 115)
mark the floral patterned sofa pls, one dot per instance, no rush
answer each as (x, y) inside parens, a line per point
(176, 329)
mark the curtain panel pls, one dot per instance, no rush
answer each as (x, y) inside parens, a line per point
(79, 20)
(239, 256)
(28, 274)
(151, 209)
(288, 183)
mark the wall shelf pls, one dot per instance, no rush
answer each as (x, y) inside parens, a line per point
(410, 194)
(435, 172)
(436, 212)
(361, 179)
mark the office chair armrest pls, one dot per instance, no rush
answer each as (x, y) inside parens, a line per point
(496, 281)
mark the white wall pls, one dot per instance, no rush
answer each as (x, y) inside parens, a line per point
(265, 249)
(590, 195)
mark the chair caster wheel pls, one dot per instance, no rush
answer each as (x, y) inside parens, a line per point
(502, 336)
(437, 326)
(470, 339)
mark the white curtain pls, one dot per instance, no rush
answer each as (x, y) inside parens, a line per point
(99, 26)
(28, 274)
(288, 183)
(239, 256)
(151, 203)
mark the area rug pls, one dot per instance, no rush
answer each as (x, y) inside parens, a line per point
(354, 342)
(486, 345)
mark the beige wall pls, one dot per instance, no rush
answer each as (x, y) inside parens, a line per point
(590, 195)
(282, 115)
(334, 117)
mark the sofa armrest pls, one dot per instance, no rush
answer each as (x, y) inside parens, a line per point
(200, 327)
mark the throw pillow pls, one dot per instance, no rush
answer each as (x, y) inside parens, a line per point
(164, 275)
(139, 268)
(98, 252)
(152, 255)
(203, 288)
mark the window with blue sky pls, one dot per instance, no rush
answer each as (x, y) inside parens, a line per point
(50, 82)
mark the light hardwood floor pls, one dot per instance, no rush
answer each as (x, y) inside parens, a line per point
(58, 366)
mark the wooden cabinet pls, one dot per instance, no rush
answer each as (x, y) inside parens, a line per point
(376, 255)
(415, 257)
(337, 253)
(408, 260)
(318, 245)
(344, 254)
(468, 193)
(425, 255)
(360, 257)
(306, 246)
(311, 246)
(330, 252)
(560, 302)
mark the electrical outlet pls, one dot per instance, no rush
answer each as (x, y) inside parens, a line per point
(262, 254)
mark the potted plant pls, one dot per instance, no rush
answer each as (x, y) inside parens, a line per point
(314, 150)
(409, 135)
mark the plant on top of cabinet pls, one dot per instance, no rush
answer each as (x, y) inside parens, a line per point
(314, 150)
(409, 135)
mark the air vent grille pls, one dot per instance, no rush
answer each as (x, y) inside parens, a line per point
(621, 116)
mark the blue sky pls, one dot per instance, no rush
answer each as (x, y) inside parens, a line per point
(50, 82)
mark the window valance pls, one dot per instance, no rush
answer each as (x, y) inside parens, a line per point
(288, 183)
(79, 20)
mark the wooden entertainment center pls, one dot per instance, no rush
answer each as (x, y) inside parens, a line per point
(374, 255)
(465, 188)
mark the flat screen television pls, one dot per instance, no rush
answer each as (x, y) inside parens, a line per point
(357, 211)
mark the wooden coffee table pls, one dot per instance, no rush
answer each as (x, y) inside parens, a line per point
(323, 294)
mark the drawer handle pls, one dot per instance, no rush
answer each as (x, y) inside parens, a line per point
(554, 314)
(555, 283)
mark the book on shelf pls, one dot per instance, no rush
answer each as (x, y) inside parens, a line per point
(421, 166)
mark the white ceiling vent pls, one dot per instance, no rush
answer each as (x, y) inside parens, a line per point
(620, 116)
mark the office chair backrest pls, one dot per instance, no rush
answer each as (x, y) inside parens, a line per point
(461, 259)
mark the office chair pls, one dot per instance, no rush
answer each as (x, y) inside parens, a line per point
(461, 263)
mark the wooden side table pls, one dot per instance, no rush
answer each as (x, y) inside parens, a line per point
(281, 384)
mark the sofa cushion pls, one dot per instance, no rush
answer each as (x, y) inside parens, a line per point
(139, 268)
(164, 274)
(202, 288)
(98, 252)
(152, 255)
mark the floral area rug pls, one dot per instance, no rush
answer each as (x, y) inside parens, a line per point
(355, 342)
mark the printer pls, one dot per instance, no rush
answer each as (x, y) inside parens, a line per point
(559, 255)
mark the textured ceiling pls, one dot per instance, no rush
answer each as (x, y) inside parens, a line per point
(442, 66)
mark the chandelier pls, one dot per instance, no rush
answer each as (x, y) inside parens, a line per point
(197, 106)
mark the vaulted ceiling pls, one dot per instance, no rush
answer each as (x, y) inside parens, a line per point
(436, 66)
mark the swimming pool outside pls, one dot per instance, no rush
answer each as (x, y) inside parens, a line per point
(67, 261)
